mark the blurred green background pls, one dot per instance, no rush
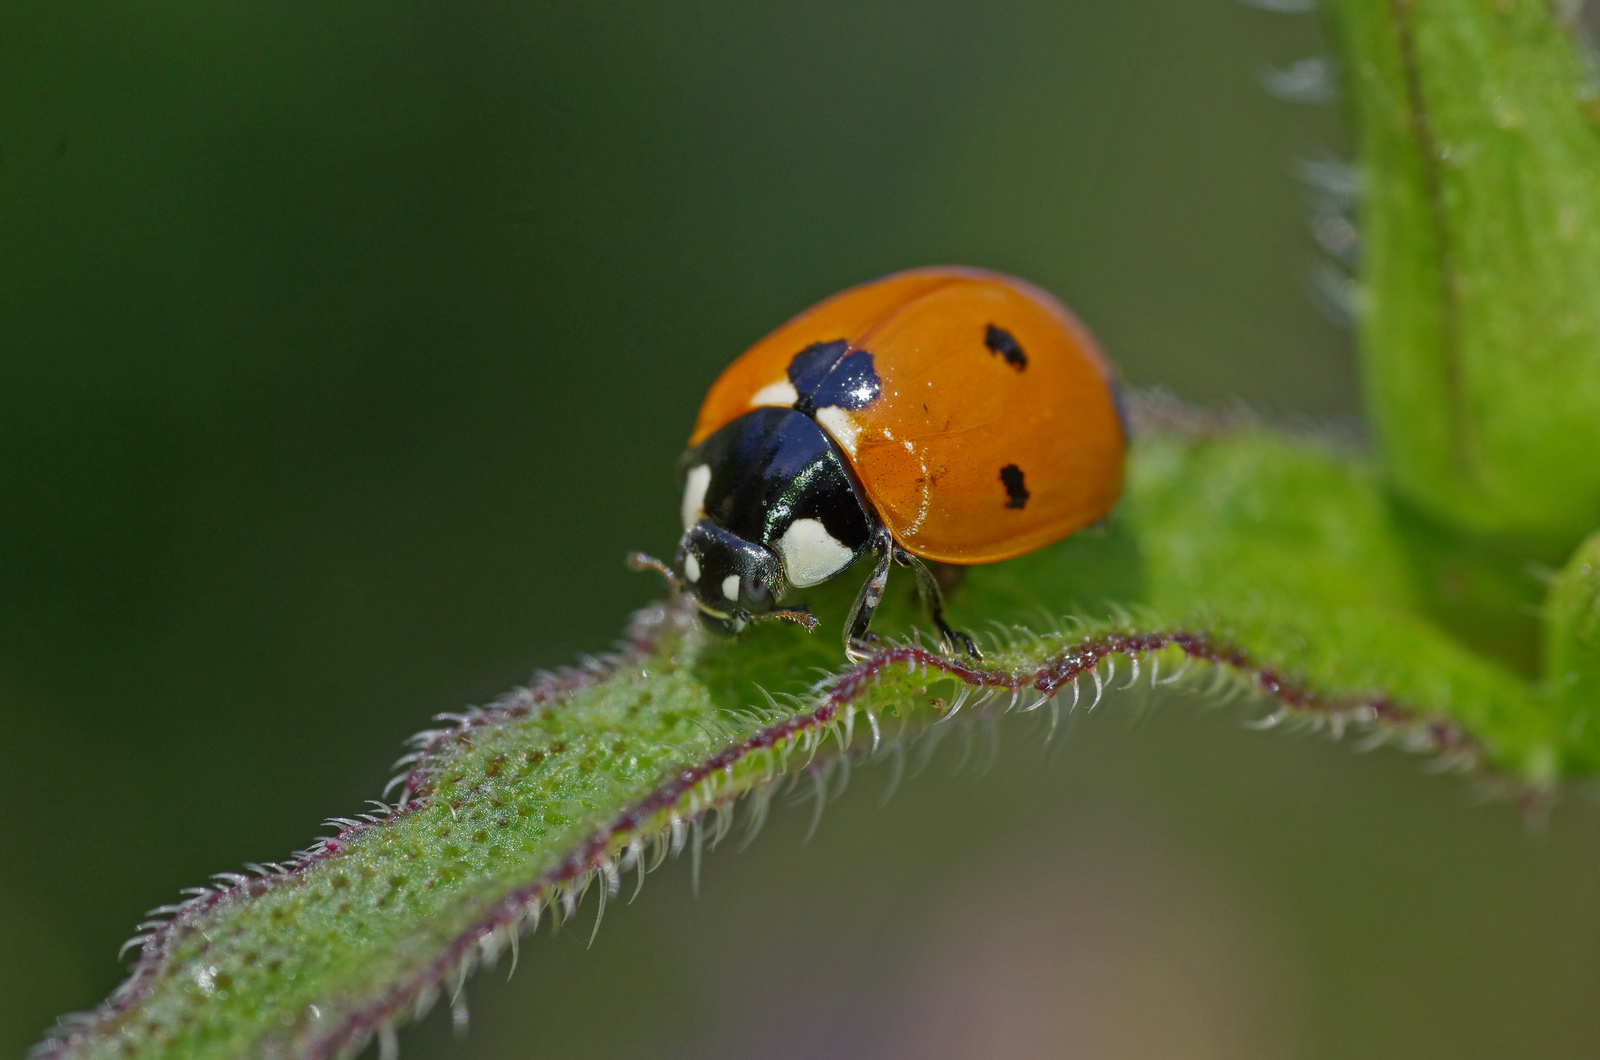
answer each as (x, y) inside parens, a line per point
(345, 350)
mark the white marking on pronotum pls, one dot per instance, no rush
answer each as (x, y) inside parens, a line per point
(694, 494)
(839, 423)
(781, 393)
(810, 554)
(691, 567)
(730, 587)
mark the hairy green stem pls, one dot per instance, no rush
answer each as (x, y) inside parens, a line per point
(1262, 563)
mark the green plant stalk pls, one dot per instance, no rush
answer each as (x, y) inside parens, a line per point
(1572, 651)
(1260, 562)
(1480, 221)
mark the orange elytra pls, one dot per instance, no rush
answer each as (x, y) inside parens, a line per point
(944, 414)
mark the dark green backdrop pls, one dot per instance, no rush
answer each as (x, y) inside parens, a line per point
(345, 350)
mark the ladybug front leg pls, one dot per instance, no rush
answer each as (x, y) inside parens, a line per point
(951, 640)
(857, 638)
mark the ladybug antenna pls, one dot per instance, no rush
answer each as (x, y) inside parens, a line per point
(800, 616)
(640, 561)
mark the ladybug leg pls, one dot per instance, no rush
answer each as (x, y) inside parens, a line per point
(856, 633)
(800, 616)
(952, 640)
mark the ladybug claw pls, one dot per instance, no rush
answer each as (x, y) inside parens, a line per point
(956, 641)
(859, 649)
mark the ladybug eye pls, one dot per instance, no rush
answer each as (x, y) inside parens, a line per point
(755, 592)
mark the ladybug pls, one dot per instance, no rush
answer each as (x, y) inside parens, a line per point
(939, 414)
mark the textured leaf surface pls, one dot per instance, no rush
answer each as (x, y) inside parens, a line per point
(1244, 557)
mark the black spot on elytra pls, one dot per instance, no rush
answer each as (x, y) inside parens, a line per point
(1001, 341)
(831, 374)
(1016, 493)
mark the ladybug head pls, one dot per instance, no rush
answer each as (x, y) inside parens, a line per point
(733, 580)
